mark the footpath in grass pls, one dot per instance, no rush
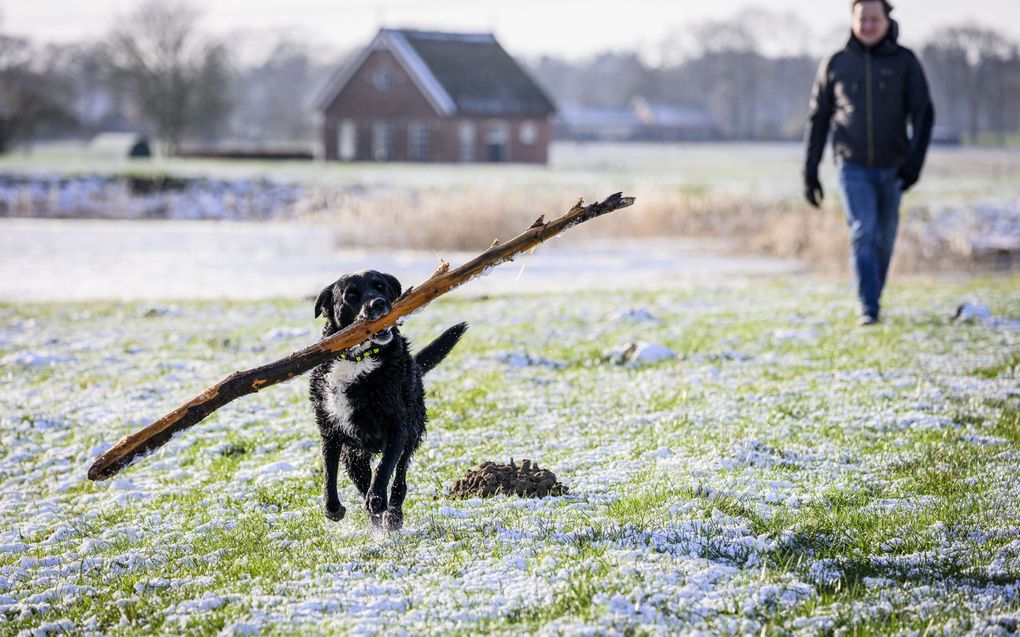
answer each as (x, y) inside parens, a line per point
(785, 471)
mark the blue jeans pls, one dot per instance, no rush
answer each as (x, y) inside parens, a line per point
(871, 201)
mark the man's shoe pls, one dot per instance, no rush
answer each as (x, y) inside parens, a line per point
(867, 319)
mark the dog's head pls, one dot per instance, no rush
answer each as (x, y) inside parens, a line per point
(363, 296)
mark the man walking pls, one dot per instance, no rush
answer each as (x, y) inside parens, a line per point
(874, 96)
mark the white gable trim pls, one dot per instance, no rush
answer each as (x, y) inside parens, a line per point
(416, 68)
(343, 75)
(421, 74)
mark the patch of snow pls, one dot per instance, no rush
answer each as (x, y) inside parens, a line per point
(635, 315)
(36, 359)
(640, 353)
(518, 360)
(287, 333)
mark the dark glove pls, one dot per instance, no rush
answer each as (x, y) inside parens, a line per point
(908, 177)
(812, 187)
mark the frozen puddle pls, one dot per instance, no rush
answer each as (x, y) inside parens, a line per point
(60, 260)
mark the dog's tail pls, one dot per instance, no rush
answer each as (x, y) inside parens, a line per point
(434, 353)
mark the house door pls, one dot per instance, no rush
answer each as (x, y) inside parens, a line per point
(497, 141)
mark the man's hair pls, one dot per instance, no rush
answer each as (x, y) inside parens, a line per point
(885, 5)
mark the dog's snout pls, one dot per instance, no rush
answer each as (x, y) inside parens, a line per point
(377, 307)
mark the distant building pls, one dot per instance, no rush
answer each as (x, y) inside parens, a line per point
(640, 120)
(427, 96)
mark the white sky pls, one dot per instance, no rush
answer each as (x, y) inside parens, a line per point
(529, 28)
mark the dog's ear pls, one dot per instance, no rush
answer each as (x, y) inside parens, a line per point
(324, 302)
(394, 284)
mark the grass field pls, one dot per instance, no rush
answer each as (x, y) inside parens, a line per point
(787, 473)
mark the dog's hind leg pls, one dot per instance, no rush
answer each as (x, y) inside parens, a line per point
(331, 501)
(359, 470)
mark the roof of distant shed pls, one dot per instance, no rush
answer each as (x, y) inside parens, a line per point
(459, 73)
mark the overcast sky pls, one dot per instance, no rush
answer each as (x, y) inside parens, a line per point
(565, 28)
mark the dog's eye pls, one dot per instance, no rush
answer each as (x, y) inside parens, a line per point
(350, 294)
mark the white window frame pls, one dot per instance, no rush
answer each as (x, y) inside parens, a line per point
(382, 78)
(347, 140)
(527, 133)
(382, 140)
(466, 135)
(419, 140)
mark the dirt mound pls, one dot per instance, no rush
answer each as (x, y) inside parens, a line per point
(524, 479)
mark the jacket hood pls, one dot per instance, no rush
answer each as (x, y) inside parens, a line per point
(888, 44)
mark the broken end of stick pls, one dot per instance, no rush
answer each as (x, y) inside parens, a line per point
(113, 460)
(103, 469)
(617, 201)
(95, 474)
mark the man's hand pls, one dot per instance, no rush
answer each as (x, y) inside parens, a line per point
(812, 187)
(908, 177)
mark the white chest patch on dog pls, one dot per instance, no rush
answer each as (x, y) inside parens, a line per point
(341, 375)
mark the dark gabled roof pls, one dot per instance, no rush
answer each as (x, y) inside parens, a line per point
(478, 74)
(459, 73)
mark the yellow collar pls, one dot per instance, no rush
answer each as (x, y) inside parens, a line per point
(368, 353)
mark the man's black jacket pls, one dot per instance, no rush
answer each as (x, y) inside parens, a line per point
(870, 96)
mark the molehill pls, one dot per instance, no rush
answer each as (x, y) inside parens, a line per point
(525, 479)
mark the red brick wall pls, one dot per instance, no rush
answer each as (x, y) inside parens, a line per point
(363, 101)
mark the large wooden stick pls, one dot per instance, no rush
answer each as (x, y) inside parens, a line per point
(243, 383)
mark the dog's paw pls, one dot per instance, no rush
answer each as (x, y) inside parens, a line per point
(375, 503)
(336, 514)
(376, 520)
(394, 519)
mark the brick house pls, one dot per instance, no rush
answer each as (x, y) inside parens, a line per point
(427, 96)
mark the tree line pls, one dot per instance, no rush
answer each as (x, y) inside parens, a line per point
(158, 72)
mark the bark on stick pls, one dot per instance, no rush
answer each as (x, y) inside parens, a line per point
(247, 382)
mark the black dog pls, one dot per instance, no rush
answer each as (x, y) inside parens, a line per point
(370, 399)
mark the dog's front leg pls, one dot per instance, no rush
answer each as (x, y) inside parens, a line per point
(376, 500)
(331, 501)
(395, 511)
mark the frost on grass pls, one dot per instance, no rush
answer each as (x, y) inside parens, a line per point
(788, 470)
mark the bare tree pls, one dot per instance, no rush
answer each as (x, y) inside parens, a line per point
(177, 78)
(275, 96)
(776, 34)
(33, 97)
(968, 66)
(731, 68)
(572, 83)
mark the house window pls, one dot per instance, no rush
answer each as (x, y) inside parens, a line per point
(382, 78)
(419, 136)
(528, 133)
(382, 140)
(466, 137)
(497, 141)
(347, 140)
